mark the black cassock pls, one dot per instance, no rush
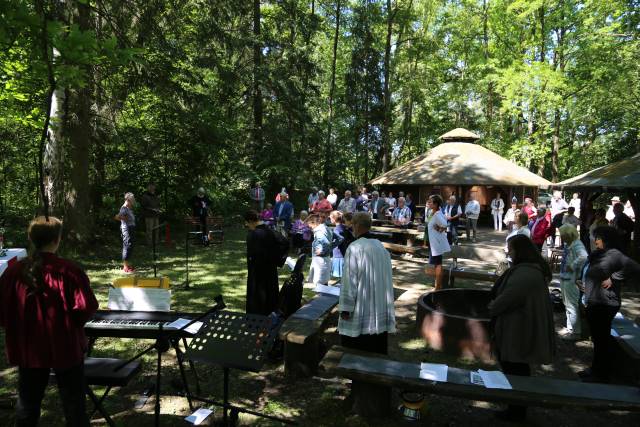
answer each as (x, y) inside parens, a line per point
(262, 265)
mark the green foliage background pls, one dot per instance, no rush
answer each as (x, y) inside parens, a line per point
(551, 84)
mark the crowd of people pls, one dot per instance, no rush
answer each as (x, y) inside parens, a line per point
(45, 300)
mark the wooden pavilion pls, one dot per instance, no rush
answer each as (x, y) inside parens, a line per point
(460, 166)
(622, 177)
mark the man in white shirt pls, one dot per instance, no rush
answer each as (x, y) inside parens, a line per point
(348, 204)
(367, 312)
(472, 212)
(558, 205)
(402, 214)
(332, 197)
(610, 215)
(438, 243)
(575, 203)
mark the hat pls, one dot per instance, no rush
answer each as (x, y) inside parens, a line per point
(200, 190)
(615, 199)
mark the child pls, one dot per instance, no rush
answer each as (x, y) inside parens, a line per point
(300, 232)
(321, 249)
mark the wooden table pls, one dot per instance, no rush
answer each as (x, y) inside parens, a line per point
(409, 233)
(13, 255)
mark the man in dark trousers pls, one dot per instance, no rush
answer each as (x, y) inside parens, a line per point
(151, 212)
(200, 204)
(264, 255)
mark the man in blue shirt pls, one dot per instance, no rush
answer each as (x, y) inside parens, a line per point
(283, 212)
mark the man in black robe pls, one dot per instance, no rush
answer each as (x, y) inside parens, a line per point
(263, 257)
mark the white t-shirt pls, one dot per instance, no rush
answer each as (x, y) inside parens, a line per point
(332, 198)
(438, 242)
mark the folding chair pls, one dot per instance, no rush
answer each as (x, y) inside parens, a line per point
(107, 372)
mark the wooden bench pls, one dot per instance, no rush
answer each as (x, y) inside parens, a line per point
(214, 225)
(372, 373)
(627, 335)
(404, 249)
(301, 336)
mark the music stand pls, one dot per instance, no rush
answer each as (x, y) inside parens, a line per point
(234, 340)
(154, 243)
(162, 344)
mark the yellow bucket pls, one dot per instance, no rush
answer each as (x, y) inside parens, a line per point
(142, 282)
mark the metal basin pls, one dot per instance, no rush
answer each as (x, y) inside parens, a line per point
(456, 322)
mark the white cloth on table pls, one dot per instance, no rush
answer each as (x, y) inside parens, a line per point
(17, 253)
(367, 290)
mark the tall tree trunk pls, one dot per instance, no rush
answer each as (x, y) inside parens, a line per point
(386, 127)
(257, 91)
(78, 220)
(327, 154)
(556, 146)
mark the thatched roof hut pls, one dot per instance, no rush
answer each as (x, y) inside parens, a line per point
(459, 167)
(624, 174)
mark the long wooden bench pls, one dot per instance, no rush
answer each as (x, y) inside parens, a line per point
(404, 249)
(627, 334)
(372, 373)
(301, 336)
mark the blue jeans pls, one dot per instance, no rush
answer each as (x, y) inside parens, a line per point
(127, 241)
(32, 383)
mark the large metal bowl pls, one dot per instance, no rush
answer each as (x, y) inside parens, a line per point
(456, 322)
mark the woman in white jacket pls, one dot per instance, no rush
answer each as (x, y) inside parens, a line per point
(497, 207)
(574, 258)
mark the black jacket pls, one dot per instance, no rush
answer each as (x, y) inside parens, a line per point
(605, 264)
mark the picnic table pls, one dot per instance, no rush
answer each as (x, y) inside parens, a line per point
(11, 256)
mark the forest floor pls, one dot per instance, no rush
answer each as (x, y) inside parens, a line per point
(221, 269)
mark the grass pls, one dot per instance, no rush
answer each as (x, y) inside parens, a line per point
(221, 269)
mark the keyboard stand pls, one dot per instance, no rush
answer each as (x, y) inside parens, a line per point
(161, 345)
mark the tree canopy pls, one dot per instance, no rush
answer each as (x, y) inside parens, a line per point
(297, 93)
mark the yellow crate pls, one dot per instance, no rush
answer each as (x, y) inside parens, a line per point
(142, 282)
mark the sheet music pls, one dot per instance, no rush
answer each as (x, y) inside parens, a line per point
(139, 299)
(434, 372)
(199, 416)
(494, 379)
(291, 263)
(180, 322)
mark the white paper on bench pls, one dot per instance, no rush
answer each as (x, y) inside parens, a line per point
(199, 416)
(434, 372)
(139, 299)
(180, 322)
(494, 379)
(619, 316)
(331, 290)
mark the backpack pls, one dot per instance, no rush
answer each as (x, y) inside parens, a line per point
(347, 239)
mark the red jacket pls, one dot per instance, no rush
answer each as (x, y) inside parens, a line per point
(540, 230)
(46, 329)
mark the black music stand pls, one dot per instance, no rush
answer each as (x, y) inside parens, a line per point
(162, 344)
(234, 340)
(154, 245)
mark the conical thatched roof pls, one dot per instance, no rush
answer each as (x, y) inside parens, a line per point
(459, 135)
(622, 174)
(459, 163)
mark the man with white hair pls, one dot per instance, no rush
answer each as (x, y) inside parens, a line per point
(378, 206)
(472, 212)
(367, 312)
(348, 204)
(322, 205)
(402, 214)
(283, 212)
(610, 214)
(558, 204)
(452, 213)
